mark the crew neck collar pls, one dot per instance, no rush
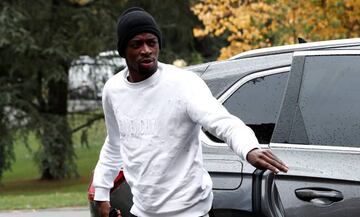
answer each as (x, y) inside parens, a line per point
(147, 82)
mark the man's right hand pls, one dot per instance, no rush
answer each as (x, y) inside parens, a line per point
(104, 208)
(265, 159)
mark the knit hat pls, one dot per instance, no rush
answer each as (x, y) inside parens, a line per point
(132, 22)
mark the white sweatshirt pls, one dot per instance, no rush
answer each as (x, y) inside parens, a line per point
(153, 133)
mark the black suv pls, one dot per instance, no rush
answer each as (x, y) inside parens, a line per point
(305, 107)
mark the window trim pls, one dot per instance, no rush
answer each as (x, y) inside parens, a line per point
(291, 146)
(203, 137)
(326, 53)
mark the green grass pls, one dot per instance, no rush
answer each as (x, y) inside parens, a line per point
(21, 188)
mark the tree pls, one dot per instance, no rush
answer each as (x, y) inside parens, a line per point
(250, 24)
(38, 41)
(9, 19)
(6, 144)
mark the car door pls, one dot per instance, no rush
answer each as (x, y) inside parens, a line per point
(318, 135)
(256, 99)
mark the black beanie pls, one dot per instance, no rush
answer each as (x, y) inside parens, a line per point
(132, 22)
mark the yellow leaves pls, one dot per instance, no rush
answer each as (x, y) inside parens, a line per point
(80, 2)
(179, 63)
(251, 24)
(219, 31)
(198, 33)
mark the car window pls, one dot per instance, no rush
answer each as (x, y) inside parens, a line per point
(222, 75)
(328, 109)
(257, 103)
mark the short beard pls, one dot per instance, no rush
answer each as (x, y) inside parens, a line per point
(148, 72)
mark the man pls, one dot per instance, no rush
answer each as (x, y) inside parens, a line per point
(153, 114)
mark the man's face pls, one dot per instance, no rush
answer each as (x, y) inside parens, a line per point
(141, 54)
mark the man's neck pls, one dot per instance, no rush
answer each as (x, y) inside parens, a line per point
(134, 77)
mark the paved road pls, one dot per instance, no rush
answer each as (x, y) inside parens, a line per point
(62, 212)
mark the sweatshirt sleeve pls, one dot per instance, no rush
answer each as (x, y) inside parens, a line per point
(207, 111)
(110, 160)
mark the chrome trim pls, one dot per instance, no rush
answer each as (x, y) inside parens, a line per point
(326, 53)
(314, 147)
(291, 48)
(242, 81)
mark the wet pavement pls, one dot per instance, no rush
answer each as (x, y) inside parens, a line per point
(61, 212)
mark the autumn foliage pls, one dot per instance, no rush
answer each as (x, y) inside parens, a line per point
(250, 24)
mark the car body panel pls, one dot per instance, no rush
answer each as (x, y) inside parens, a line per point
(319, 169)
(323, 180)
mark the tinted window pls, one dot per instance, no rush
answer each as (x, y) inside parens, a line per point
(221, 75)
(328, 110)
(257, 103)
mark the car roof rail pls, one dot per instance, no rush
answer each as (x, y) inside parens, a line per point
(297, 47)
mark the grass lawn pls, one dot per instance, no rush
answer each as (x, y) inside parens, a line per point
(22, 189)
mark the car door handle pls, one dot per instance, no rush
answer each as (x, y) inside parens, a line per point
(319, 196)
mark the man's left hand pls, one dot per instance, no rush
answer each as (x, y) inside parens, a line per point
(265, 159)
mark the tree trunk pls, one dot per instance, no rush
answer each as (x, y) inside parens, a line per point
(6, 145)
(58, 157)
